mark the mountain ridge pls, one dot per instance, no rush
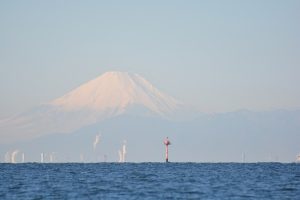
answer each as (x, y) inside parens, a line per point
(117, 90)
(109, 95)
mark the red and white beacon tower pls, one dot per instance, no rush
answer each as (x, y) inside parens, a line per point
(167, 143)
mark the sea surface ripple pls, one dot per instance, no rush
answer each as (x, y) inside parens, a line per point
(150, 181)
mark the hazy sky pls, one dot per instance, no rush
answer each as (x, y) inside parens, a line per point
(217, 55)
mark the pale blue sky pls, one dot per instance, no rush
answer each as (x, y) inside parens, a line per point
(217, 55)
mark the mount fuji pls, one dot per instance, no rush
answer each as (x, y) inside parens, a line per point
(109, 95)
(114, 92)
(91, 123)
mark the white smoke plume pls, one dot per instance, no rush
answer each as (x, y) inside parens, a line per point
(42, 157)
(96, 141)
(120, 156)
(122, 152)
(13, 156)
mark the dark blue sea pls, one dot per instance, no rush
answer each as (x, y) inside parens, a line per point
(150, 181)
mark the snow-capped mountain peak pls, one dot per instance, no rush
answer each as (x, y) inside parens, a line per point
(111, 94)
(118, 91)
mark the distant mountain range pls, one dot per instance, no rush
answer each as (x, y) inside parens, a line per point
(108, 96)
(120, 106)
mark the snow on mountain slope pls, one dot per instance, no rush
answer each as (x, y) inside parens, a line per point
(110, 95)
(117, 90)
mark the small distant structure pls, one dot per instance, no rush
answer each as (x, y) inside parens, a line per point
(14, 155)
(243, 157)
(122, 153)
(81, 157)
(23, 157)
(298, 159)
(167, 143)
(42, 157)
(7, 157)
(51, 157)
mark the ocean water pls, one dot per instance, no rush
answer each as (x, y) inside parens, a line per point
(150, 181)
